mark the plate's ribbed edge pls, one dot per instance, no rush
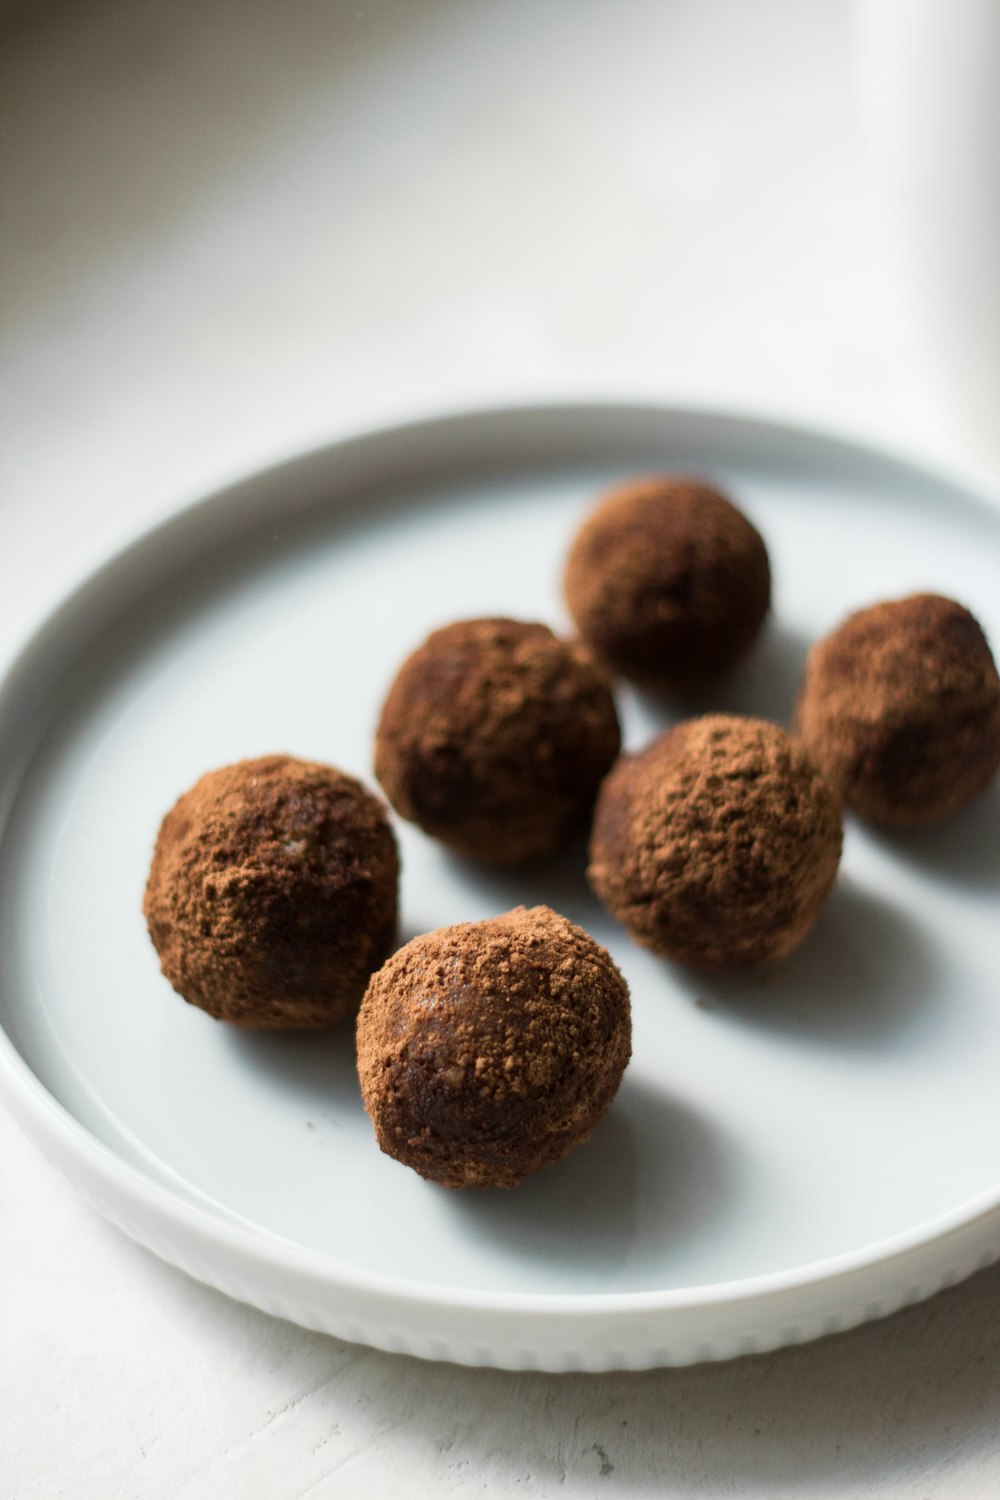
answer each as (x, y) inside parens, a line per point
(658, 1353)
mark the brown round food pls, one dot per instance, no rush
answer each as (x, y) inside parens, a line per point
(494, 737)
(718, 844)
(900, 706)
(489, 1049)
(272, 893)
(668, 582)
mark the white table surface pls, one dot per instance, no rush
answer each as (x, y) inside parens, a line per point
(231, 227)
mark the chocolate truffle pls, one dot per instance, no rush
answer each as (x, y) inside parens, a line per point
(668, 582)
(494, 737)
(900, 706)
(272, 893)
(717, 845)
(489, 1049)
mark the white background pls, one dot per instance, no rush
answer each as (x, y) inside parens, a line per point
(231, 227)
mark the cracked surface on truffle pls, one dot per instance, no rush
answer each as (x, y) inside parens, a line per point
(718, 844)
(272, 893)
(900, 706)
(494, 737)
(668, 582)
(488, 1049)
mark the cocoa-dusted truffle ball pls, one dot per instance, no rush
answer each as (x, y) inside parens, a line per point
(717, 845)
(272, 893)
(489, 1049)
(900, 706)
(668, 582)
(494, 738)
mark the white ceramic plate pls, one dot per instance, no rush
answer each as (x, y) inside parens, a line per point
(783, 1159)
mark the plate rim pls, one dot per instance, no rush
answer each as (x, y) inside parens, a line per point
(51, 1124)
(26, 1094)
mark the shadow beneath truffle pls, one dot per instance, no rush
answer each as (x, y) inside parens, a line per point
(765, 684)
(963, 849)
(644, 716)
(864, 975)
(653, 1173)
(560, 881)
(406, 934)
(318, 1067)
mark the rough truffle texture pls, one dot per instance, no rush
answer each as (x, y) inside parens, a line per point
(272, 893)
(494, 738)
(901, 707)
(717, 845)
(489, 1049)
(668, 583)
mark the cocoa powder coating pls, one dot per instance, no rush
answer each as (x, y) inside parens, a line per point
(488, 1049)
(717, 845)
(494, 738)
(272, 893)
(668, 582)
(900, 706)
